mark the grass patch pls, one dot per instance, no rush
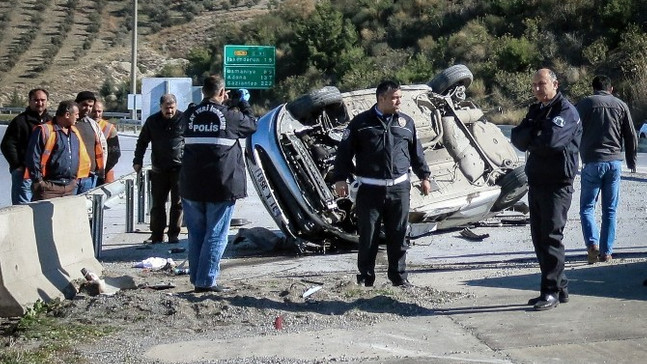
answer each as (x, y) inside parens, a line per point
(5, 119)
(508, 117)
(41, 337)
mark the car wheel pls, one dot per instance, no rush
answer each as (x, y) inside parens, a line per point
(642, 135)
(453, 76)
(514, 186)
(309, 105)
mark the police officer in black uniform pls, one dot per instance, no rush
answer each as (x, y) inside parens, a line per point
(551, 134)
(213, 175)
(384, 144)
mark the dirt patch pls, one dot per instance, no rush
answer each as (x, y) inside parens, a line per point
(164, 308)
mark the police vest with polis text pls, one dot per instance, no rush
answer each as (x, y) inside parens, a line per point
(213, 169)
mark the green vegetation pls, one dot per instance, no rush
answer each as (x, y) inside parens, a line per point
(17, 100)
(23, 41)
(353, 44)
(59, 37)
(56, 338)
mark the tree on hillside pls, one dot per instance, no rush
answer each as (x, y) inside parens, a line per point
(323, 39)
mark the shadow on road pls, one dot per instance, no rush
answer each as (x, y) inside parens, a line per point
(619, 281)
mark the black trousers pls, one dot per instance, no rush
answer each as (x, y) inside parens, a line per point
(548, 213)
(388, 205)
(163, 183)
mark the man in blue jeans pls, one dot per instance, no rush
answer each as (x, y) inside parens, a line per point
(213, 175)
(607, 123)
(15, 142)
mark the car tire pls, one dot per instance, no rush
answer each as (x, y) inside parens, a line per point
(309, 105)
(514, 186)
(453, 76)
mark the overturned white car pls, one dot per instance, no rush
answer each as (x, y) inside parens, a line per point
(475, 171)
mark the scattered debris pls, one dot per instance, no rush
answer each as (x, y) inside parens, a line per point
(158, 286)
(235, 222)
(515, 222)
(521, 207)
(259, 237)
(278, 322)
(311, 291)
(470, 235)
(154, 263)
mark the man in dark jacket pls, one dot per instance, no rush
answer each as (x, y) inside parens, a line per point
(384, 144)
(164, 131)
(551, 134)
(607, 123)
(213, 176)
(15, 141)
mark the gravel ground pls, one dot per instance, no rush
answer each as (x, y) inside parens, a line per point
(146, 316)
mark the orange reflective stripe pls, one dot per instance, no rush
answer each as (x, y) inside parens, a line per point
(98, 152)
(47, 130)
(107, 128)
(50, 140)
(84, 158)
(110, 176)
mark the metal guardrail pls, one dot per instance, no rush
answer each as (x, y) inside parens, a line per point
(116, 114)
(11, 110)
(108, 195)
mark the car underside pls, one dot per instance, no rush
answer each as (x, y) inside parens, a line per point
(475, 171)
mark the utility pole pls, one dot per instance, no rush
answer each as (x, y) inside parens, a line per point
(133, 64)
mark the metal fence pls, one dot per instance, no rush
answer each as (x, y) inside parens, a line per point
(110, 195)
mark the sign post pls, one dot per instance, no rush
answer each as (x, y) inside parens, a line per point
(250, 67)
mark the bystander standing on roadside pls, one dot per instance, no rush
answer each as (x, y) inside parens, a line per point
(163, 131)
(607, 126)
(551, 134)
(383, 144)
(16, 139)
(56, 155)
(112, 140)
(94, 140)
(213, 176)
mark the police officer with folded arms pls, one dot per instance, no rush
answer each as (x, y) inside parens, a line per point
(551, 133)
(384, 144)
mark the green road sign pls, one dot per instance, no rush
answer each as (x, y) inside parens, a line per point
(253, 77)
(242, 55)
(249, 66)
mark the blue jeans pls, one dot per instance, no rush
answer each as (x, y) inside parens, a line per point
(208, 225)
(86, 184)
(20, 188)
(600, 178)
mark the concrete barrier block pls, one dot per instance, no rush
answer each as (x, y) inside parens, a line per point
(43, 247)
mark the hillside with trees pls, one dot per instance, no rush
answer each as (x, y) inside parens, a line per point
(355, 44)
(71, 45)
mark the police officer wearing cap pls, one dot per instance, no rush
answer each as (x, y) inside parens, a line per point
(551, 134)
(385, 145)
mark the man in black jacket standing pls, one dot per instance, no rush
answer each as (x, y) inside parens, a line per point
(213, 176)
(551, 134)
(15, 141)
(385, 145)
(164, 131)
(607, 125)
